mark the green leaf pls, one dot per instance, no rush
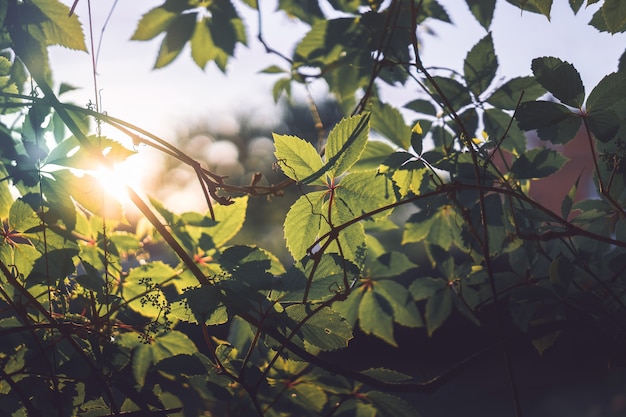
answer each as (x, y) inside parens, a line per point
(376, 316)
(299, 159)
(553, 121)
(58, 27)
(438, 308)
(438, 228)
(404, 309)
(390, 264)
(365, 191)
(155, 21)
(142, 288)
(160, 347)
(603, 106)
(614, 13)
(306, 10)
(423, 288)
(561, 79)
(388, 405)
(326, 329)
(576, 5)
(302, 223)
(422, 106)
(499, 128)
(388, 121)
(201, 305)
(89, 193)
(482, 11)
(537, 163)
(346, 142)
(386, 375)
(456, 93)
(373, 156)
(178, 34)
(561, 272)
(203, 48)
(508, 95)
(230, 220)
(480, 65)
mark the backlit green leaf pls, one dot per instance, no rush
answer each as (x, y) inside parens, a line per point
(561, 79)
(141, 288)
(365, 191)
(388, 121)
(298, 159)
(58, 27)
(346, 142)
(480, 65)
(302, 223)
(454, 93)
(376, 316)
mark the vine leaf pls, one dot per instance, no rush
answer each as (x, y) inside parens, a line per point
(388, 405)
(57, 28)
(561, 79)
(326, 329)
(480, 65)
(606, 106)
(482, 11)
(141, 288)
(508, 94)
(178, 33)
(346, 142)
(299, 159)
(614, 14)
(162, 346)
(155, 21)
(302, 223)
(388, 121)
(537, 163)
(553, 121)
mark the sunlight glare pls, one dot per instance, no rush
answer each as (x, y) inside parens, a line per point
(114, 181)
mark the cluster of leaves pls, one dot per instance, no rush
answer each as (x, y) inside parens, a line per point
(95, 323)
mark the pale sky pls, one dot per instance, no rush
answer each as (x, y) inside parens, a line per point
(164, 101)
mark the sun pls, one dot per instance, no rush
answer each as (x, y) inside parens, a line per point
(115, 180)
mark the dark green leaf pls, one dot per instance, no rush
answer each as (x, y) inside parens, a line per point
(438, 308)
(561, 79)
(561, 272)
(376, 316)
(155, 21)
(614, 13)
(606, 106)
(387, 375)
(306, 10)
(373, 156)
(422, 106)
(178, 34)
(553, 121)
(499, 128)
(480, 65)
(575, 5)
(390, 406)
(482, 11)
(424, 288)
(325, 329)
(454, 92)
(537, 163)
(511, 93)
